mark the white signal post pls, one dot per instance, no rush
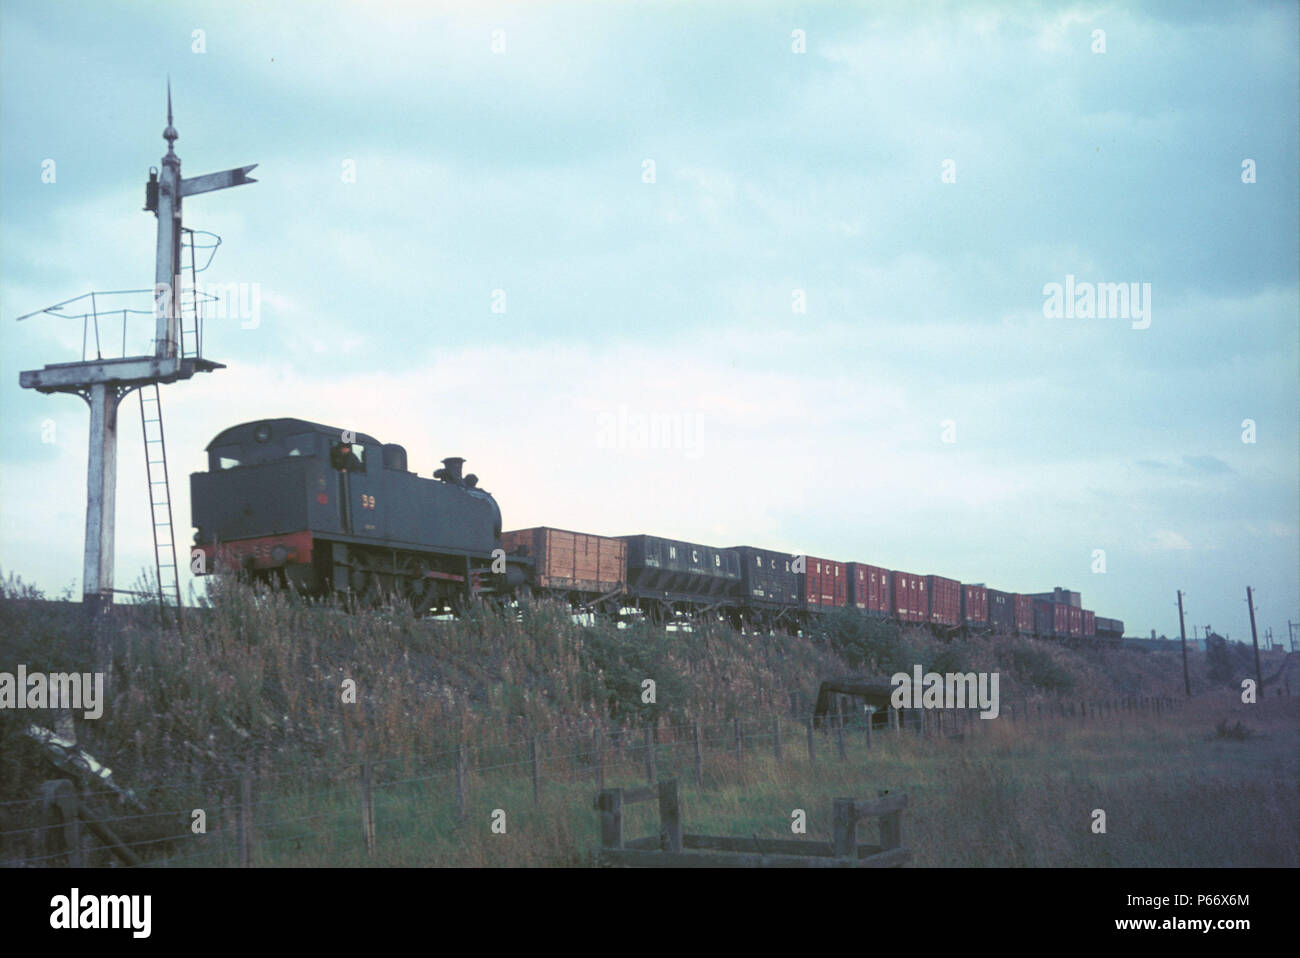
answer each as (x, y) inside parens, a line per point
(103, 382)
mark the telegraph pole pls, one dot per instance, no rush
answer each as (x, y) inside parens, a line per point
(1259, 676)
(1182, 630)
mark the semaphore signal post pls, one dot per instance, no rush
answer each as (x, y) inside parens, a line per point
(103, 382)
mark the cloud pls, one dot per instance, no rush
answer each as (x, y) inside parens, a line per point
(1166, 539)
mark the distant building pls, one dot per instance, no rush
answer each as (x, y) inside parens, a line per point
(1164, 644)
(1062, 596)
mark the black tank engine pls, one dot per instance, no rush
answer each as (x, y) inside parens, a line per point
(323, 509)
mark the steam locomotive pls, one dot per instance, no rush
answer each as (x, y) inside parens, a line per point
(325, 510)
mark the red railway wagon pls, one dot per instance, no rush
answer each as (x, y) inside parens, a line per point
(945, 600)
(1024, 614)
(1089, 623)
(907, 595)
(824, 584)
(1075, 620)
(974, 605)
(869, 588)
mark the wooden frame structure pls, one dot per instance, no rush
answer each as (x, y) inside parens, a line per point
(673, 847)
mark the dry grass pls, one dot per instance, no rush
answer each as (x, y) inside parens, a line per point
(254, 688)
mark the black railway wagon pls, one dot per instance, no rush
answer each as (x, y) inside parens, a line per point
(1002, 611)
(766, 578)
(681, 571)
(1109, 628)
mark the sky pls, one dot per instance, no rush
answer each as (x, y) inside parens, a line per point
(775, 274)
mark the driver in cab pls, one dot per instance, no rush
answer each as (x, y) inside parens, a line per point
(344, 458)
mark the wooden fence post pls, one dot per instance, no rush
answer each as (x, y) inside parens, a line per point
(600, 769)
(839, 729)
(532, 761)
(776, 739)
(60, 824)
(670, 817)
(367, 810)
(740, 742)
(610, 804)
(649, 757)
(460, 781)
(871, 716)
(844, 840)
(891, 827)
(245, 822)
(812, 746)
(699, 759)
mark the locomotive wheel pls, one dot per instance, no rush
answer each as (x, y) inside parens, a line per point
(414, 584)
(367, 588)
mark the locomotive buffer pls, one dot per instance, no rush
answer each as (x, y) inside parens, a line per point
(103, 382)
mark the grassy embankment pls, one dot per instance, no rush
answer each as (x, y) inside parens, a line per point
(255, 689)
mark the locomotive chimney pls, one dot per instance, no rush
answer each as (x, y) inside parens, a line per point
(450, 471)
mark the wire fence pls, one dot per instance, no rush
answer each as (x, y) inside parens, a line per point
(243, 820)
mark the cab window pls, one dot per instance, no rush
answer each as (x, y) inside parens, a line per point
(227, 457)
(349, 457)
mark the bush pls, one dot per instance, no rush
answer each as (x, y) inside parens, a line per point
(1218, 661)
(864, 642)
(1235, 732)
(1037, 667)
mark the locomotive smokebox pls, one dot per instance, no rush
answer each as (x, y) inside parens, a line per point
(450, 471)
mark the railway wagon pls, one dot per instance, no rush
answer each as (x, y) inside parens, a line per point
(1024, 614)
(868, 588)
(1002, 611)
(578, 564)
(908, 597)
(1109, 628)
(1089, 624)
(1075, 621)
(678, 571)
(323, 509)
(975, 606)
(1051, 619)
(945, 600)
(767, 580)
(823, 584)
